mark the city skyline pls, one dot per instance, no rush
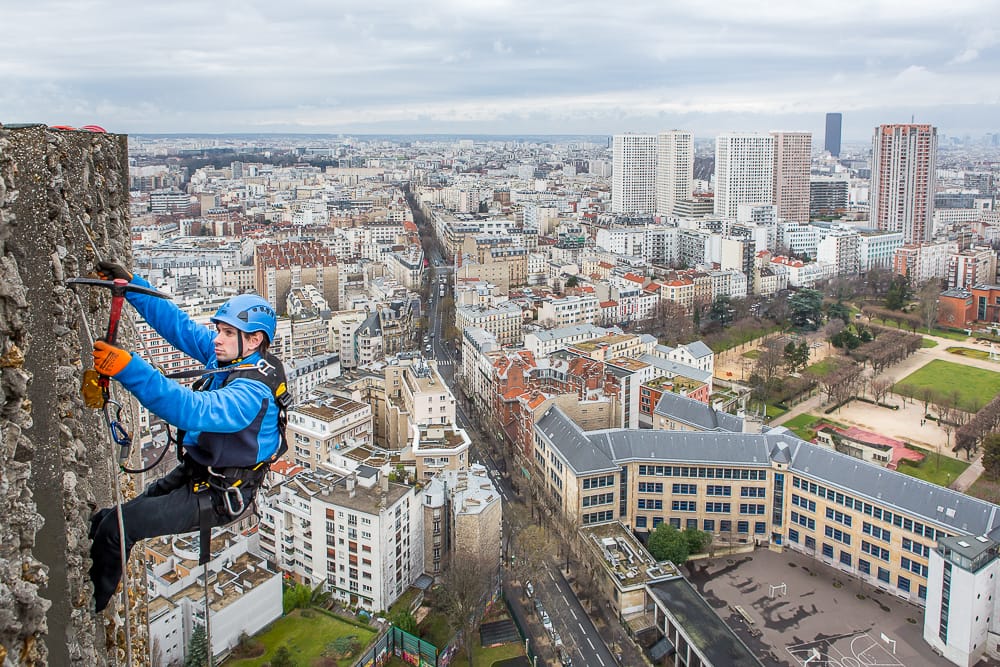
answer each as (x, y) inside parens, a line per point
(500, 68)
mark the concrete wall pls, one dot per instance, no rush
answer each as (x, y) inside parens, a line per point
(56, 462)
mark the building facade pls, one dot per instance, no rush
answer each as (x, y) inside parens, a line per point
(902, 183)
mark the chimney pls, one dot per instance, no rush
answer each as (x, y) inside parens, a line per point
(351, 492)
(383, 483)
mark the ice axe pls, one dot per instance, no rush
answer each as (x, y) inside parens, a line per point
(95, 386)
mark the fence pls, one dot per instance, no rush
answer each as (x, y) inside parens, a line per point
(411, 649)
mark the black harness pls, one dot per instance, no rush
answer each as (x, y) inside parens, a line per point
(229, 484)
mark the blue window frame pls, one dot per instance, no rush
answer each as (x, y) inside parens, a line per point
(864, 566)
(708, 525)
(675, 522)
(640, 522)
(760, 527)
(793, 535)
(742, 526)
(845, 558)
(903, 583)
(827, 550)
(883, 574)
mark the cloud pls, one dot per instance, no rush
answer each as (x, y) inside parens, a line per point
(311, 64)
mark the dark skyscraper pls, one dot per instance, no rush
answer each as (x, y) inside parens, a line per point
(832, 144)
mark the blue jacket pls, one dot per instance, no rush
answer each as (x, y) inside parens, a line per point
(235, 425)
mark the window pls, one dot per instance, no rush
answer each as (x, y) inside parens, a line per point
(793, 535)
(650, 504)
(837, 534)
(864, 566)
(760, 527)
(685, 489)
(751, 508)
(718, 490)
(640, 522)
(742, 526)
(903, 583)
(650, 487)
(753, 492)
(883, 574)
(708, 525)
(691, 523)
(827, 550)
(657, 520)
(726, 526)
(839, 517)
(876, 531)
(718, 508)
(675, 522)
(683, 506)
(922, 592)
(810, 542)
(875, 550)
(845, 558)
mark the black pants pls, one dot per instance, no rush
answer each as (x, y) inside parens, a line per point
(168, 507)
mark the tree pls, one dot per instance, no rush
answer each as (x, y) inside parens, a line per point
(805, 309)
(697, 540)
(282, 658)
(880, 387)
(572, 281)
(838, 311)
(197, 650)
(898, 293)
(405, 621)
(667, 543)
(927, 302)
(991, 456)
(465, 590)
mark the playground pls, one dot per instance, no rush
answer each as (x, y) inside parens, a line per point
(786, 605)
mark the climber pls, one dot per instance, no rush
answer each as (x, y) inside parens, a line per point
(230, 424)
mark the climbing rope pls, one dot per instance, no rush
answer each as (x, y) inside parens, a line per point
(115, 432)
(120, 436)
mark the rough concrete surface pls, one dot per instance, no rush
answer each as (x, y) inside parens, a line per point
(63, 197)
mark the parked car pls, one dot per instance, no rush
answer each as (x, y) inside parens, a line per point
(565, 659)
(529, 590)
(546, 622)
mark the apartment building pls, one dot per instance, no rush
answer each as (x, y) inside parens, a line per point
(839, 248)
(921, 262)
(434, 448)
(792, 160)
(463, 514)
(505, 321)
(544, 343)
(279, 266)
(569, 310)
(244, 588)
(974, 266)
(674, 170)
(633, 176)
(902, 182)
(321, 432)
(744, 172)
(359, 536)
(877, 249)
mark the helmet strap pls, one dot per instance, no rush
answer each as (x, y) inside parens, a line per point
(239, 346)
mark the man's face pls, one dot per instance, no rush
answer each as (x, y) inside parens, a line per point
(227, 345)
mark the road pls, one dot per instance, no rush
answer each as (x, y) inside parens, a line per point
(569, 619)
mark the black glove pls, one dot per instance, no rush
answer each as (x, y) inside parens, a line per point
(112, 271)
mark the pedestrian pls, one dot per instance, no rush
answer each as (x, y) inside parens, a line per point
(229, 424)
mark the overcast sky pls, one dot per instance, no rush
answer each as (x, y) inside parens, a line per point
(500, 66)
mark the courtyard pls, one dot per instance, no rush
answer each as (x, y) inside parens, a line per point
(785, 605)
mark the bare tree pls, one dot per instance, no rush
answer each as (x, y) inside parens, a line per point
(466, 587)
(880, 387)
(533, 545)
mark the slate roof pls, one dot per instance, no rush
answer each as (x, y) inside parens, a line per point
(689, 411)
(699, 350)
(676, 368)
(582, 455)
(599, 451)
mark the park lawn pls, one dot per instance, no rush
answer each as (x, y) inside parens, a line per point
(928, 342)
(404, 601)
(751, 354)
(974, 386)
(487, 656)
(801, 426)
(435, 629)
(940, 333)
(822, 368)
(969, 352)
(935, 468)
(306, 638)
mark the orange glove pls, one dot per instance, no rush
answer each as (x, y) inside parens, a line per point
(108, 359)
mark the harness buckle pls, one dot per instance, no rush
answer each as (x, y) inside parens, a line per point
(227, 498)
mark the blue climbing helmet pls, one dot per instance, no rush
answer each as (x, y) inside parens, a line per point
(248, 313)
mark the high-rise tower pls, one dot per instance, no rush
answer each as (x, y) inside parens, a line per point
(674, 169)
(792, 154)
(832, 141)
(902, 185)
(633, 177)
(744, 171)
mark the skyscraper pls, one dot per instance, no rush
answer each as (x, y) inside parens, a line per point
(792, 154)
(832, 143)
(674, 169)
(633, 176)
(902, 185)
(744, 171)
